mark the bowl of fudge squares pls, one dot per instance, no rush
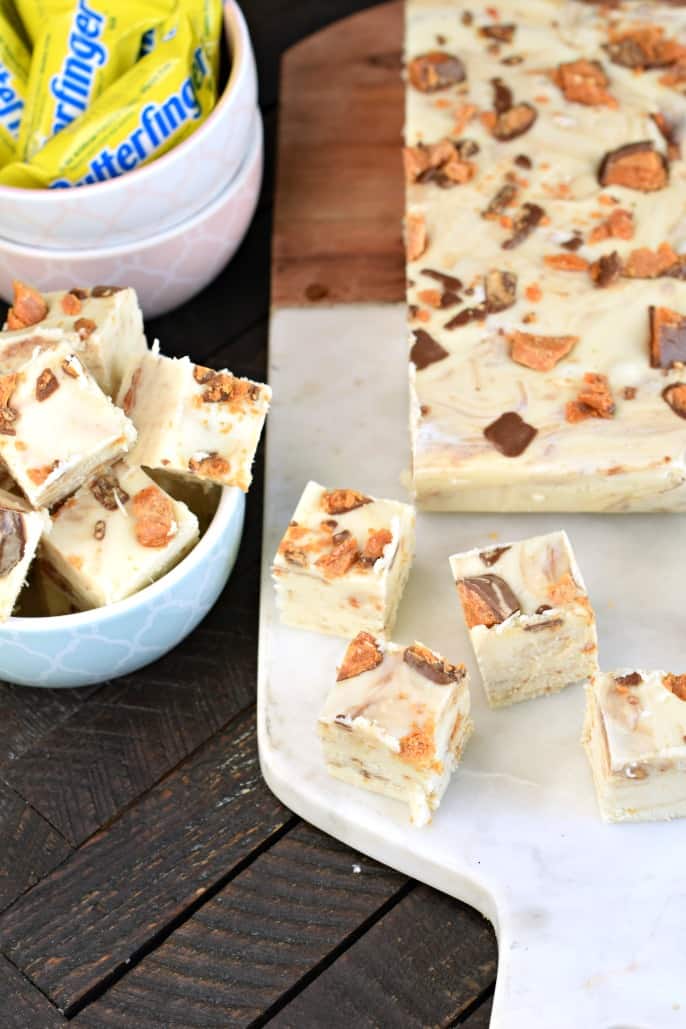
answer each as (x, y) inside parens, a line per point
(122, 482)
(150, 173)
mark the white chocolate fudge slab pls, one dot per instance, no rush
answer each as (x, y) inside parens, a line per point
(20, 533)
(343, 562)
(57, 426)
(547, 280)
(396, 722)
(194, 421)
(115, 535)
(635, 738)
(529, 618)
(107, 321)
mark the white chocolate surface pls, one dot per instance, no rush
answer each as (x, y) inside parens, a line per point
(369, 718)
(20, 533)
(95, 548)
(636, 459)
(365, 596)
(180, 431)
(54, 444)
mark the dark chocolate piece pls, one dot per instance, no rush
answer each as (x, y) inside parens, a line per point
(46, 384)
(502, 96)
(434, 668)
(502, 32)
(632, 679)
(574, 242)
(606, 270)
(488, 599)
(467, 315)
(447, 281)
(553, 623)
(425, 350)
(510, 434)
(501, 290)
(675, 396)
(435, 70)
(514, 122)
(504, 198)
(524, 224)
(522, 161)
(635, 166)
(667, 337)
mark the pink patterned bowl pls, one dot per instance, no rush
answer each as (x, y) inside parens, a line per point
(167, 268)
(158, 195)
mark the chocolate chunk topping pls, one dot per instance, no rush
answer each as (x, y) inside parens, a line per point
(510, 434)
(522, 161)
(467, 315)
(553, 623)
(502, 96)
(449, 299)
(524, 224)
(99, 530)
(501, 290)
(634, 166)
(12, 540)
(341, 537)
(675, 396)
(512, 60)
(502, 32)
(432, 667)
(466, 17)
(340, 501)
(108, 492)
(627, 52)
(667, 337)
(363, 654)
(629, 392)
(435, 70)
(543, 608)
(105, 291)
(514, 122)
(491, 557)
(450, 282)
(606, 270)
(426, 350)
(46, 384)
(504, 198)
(487, 600)
(79, 293)
(632, 679)
(85, 327)
(574, 242)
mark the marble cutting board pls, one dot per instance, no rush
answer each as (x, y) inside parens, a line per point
(589, 917)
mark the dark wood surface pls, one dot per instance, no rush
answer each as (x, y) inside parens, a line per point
(148, 878)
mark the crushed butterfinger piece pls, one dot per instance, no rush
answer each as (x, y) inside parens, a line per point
(28, 307)
(154, 514)
(541, 353)
(594, 399)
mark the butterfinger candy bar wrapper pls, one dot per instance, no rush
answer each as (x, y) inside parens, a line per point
(159, 102)
(207, 18)
(14, 71)
(77, 55)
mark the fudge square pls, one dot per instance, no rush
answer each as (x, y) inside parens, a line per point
(396, 722)
(343, 562)
(634, 735)
(118, 533)
(20, 533)
(107, 321)
(529, 618)
(194, 421)
(57, 426)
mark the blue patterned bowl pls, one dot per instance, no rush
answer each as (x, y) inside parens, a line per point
(92, 646)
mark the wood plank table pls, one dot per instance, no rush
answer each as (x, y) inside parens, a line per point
(148, 878)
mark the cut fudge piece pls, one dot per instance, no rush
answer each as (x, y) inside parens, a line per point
(396, 722)
(634, 735)
(115, 535)
(546, 359)
(194, 421)
(529, 618)
(20, 533)
(343, 562)
(106, 320)
(201, 496)
(57, 426)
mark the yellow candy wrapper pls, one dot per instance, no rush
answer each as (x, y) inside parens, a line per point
(9, 13)
(14, 71)
(207, 19)
(76, 57)
(146, 112)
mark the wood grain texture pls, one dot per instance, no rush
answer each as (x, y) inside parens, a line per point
(418, 967)
(27, 715)
(30, 848)
(22, 1005)
(85, 921)
(481, 1018)
(339, 192)
(252, 942)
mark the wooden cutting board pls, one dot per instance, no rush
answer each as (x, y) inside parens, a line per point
(589, 917)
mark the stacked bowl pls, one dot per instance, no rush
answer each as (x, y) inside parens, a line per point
(166, 229)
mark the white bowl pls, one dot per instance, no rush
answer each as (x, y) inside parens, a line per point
(158, 195)
(165, 269)
(92, 646)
